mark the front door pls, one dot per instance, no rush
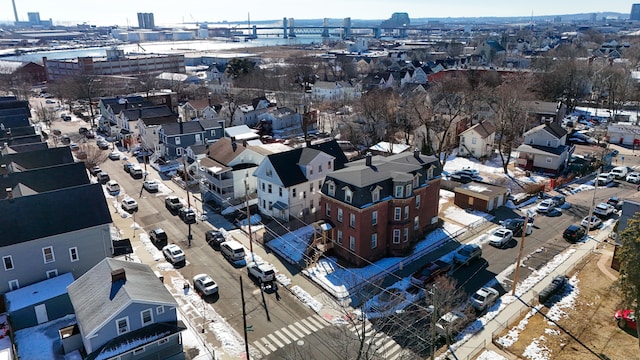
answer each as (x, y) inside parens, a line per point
(41, 314)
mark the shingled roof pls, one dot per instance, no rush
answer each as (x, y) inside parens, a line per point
(45, 179)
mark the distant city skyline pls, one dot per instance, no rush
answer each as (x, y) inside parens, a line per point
(123, 13)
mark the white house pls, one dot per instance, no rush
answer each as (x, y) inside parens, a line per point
(335, 90)
(478, 141)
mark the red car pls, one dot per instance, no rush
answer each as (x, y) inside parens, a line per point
(429, 272)
(626, 319)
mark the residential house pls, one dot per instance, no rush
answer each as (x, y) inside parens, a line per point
(378, 80)
(123, 311)
(489, 50)
(148, 122)
(281, 123)
(545, 111)
(227, 171)
(241, 133)
(198, 110)
(289, 182)
(335, 91)
(110, 107)
(381, 206)
(478, 141)
(21, 161)
(176, 137)
(213, 129)
(38, 180)
(53, 232)
(544, 149)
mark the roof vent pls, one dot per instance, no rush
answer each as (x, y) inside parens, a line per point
(117, 275)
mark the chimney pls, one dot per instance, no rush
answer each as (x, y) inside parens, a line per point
(221, 123)
(4, 170)
(416, 153)
(9, 193)
(117, 275)
(234, 146)
(244, 142)
(139, 111)
(368, 157)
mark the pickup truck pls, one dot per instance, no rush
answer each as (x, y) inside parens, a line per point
(173, 203)
(263, 272)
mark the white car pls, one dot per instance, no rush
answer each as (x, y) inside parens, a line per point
(546, 206)
(263, 272)
(604, 210)
(500, 237)
(173, 254)
(204, 284)
(595, 222)
(633, 177)
(150, 185)
(604, 179)
(483, 298)
(129, 204)
(450, 324)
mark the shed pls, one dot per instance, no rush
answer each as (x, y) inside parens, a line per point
(480, 196)
(40, 302)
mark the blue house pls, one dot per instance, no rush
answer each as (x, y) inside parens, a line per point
(176, 137)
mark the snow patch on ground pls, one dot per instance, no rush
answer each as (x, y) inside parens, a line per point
(536, 350)
(490, 355)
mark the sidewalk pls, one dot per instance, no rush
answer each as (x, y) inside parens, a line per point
(511, 313)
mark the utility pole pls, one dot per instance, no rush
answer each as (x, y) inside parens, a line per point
(246, 203)
(244, 320)
(524, 233)
(186, 186)
(434, 318)
(593, 203)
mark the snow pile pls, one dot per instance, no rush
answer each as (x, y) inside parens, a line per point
(540, 274)
(536, 350)
(566, 300)
(512, 335)
(150, 247)
(292, 245)
(394, 298)
(306, 298)
(462, 216)
(490, 355)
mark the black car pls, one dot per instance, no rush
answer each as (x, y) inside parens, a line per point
(187, 215)
(462, 178)
(573, 233)
(127, 166)
(158, 235)
(515, 225)
(214, 238)
(557, 284)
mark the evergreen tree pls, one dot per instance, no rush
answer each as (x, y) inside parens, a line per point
(629, 254)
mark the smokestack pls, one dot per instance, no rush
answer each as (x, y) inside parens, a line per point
(368, 157)
(9, 193)
(15, 11)
(117, 275)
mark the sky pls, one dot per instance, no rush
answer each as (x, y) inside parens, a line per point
(121, 12)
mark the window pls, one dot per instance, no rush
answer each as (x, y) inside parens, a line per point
(329, 165)
(163, 341)
(310, 170)
(269, 172)
(304, 194)
(293, 192)
(139, 350)
(320, 168)
(406, 234)
(470, 201)
(146, 316)
(396, 236)
(328, 210)
(407, 190)
(52, 273)
(417, 201)
(352, 220)
(416, 180)
(160, 310)
(474, 140)
(398, 192)
(416, 223)
(73, 254)
(406, 212)
(375, 195)
(352, 243)
(280, 192)
(348, 195)
(122, 325)
(8, 262)
(339, 237)
(430, 173)
(264, 203)
(262, 186)
(397, 213)
(13, 285)
(374, 217)
(374, 240)
(311, 187)
(339, 215)
(270, 205)
(549, 160)
(331, 189)
(177, 141)
(47, 254)
(269, 188)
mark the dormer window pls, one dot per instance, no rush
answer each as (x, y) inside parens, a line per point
(348, 195)
(331, 188)
(407, 191)
(375, 194)
(398, 191)
(416, 180)
(430, 172)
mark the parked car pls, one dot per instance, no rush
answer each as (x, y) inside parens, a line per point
(188, 215)
(214, 238)
(604, 179)
(82, 130)
(619, 172)
(626, 319)
(633, 178)
(573, 233)
(463, 178)
(158, 235)
(594, 223)
(604, 210)
(450, 324)
(102, 145)
(616, 202)
(262, 272)
(466, 254)
(150, 185)
(559, 200)
(113, 188)
(95, 170)
(90, 134)
(173, 254)
(545, 206)
(484, 298)
(103, 177)
(556, 285)
(500, 237)
(136, 172)
(129, 204)
(114, 155)
(204, 284)
(173, 203)
(429, 272)
(517, 225)
(127, 166)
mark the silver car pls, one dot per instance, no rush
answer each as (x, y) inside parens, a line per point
(204, 284)
(484, 298)
(500, 237)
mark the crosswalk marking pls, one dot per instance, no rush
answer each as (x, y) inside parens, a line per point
(275, 340)
(266, 342)
(289, 334)
(284, 338)
(261, 348)
(299, 326)
(394, 349)
(295, 330)
(315, 322)
(308, 324)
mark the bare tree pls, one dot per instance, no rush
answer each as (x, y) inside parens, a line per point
(94, 156)
(378, 108)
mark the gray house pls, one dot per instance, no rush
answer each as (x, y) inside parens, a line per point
(124, 311)
(176, 137)
(46, 234)
(40, 302)
(544, 149)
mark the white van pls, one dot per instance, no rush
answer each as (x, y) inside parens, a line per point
(234, 252)
(620, 172)
(112, 187)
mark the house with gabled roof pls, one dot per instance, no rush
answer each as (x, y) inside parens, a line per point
(20, 161)
(381, 206)
(289, 182)
(53, 232)
(544, 149)
(176, 137)
(478, 141)
(335, 90)
(124, 311)
(110, 107)
(38, 180)
(148, 122)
